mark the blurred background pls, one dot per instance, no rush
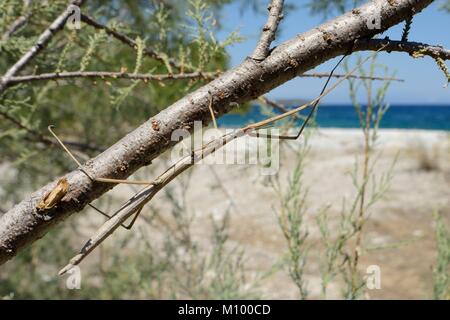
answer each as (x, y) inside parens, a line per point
(367, 185)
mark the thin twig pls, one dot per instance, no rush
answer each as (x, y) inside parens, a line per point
(262, 49)
(277, 106)
(415, 49)
(80, 166)
(280, 107)
(156, 77)
(213, 117)
(111, 75)
(39, 137)
(19, 22)
(314, 105)
(150, 52)
(337, 75)
(407, 29)
(40, 44)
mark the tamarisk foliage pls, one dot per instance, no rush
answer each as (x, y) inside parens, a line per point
(113, 110)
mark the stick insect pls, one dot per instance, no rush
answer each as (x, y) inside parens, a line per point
(135, 204)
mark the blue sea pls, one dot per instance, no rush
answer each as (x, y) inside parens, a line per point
(428, 117)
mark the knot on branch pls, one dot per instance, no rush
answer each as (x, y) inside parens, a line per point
(52, 198)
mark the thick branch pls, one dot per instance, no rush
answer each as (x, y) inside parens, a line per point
(136, 203)
(40, 44)
(269, 30)
(23, 224)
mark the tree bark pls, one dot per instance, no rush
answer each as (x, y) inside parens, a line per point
(24, 224)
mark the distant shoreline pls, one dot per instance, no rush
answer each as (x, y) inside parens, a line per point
(422, 117)
(417, 105)
(359, 130)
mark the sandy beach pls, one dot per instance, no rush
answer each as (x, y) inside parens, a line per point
(398, 237)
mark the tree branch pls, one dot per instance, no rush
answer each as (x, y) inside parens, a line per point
(157, 77)
(278, 106)
(39, 137)
(112, 75)
(40, 44)
(19, 22)
(150, 52)
(415, 49)
(23, 224)
(136, 203)
(269, 30)
(326, 75)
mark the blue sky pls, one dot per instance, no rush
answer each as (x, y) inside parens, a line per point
(424, 82)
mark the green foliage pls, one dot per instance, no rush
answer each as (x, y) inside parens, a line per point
(167, 263)
(369, 184)
(95, 114)
(94, 42)
(441, 64)
(34, 274)
(90, 112)
(98, 113)
(291, 217)
(335, 241)
(441, 271)
(341, 238)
